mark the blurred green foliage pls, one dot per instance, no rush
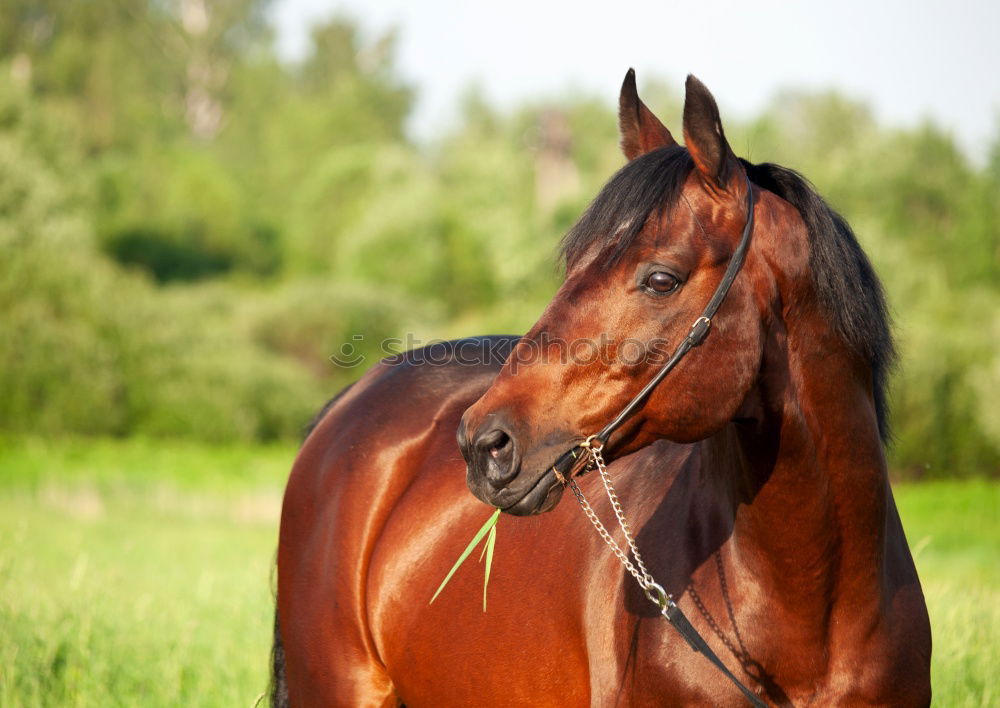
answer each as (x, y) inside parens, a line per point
(190, 227)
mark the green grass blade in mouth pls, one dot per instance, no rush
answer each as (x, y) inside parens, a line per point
(490, 524)
(482, 553)
(491, 541)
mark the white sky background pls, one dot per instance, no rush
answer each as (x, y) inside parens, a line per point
(908, 60)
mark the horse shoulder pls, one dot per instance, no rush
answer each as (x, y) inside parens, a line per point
(356, 463)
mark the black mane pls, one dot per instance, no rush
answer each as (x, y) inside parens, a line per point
(845, 281)
(649, 183)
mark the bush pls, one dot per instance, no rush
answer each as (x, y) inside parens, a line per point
(89, 348)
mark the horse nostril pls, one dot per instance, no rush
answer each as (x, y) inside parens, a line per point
(497, 457)
(495, 442)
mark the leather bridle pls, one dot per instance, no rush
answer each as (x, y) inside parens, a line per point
(695, 336)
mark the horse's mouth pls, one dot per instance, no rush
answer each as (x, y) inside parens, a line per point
(524, 494)
(542, 497)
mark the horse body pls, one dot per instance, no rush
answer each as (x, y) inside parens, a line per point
(755, 479)
(383, 511)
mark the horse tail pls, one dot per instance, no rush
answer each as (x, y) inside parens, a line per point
(279, 686)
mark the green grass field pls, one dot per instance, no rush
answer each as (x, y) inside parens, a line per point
(138, 573)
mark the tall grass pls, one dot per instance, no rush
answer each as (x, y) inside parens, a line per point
(954, 533)
(134, 573)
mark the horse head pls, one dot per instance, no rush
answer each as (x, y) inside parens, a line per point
(641, 264)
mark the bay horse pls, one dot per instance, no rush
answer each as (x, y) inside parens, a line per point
(754, 475)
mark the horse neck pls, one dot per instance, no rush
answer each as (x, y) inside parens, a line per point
(813, 471)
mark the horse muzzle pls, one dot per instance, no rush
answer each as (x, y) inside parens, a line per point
(494, 470)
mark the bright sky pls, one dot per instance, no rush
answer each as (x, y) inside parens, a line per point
(908, 60)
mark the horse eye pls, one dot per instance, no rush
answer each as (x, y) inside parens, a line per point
(661, 282)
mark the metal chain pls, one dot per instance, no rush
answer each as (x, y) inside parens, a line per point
(602, 469)
(612, 544)
(653, 590)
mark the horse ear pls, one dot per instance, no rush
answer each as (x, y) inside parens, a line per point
(641, 131)
(704, 137)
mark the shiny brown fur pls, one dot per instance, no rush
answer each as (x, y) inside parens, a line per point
(755, 476)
